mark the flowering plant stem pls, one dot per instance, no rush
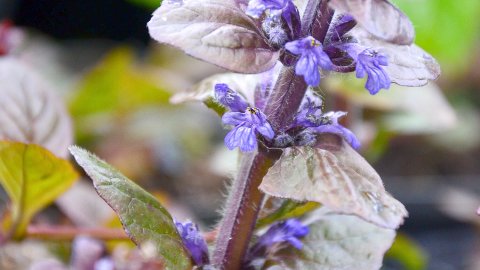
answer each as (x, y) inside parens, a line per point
(243, 204)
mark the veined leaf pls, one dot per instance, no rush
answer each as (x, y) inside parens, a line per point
(380, 18)
(216, 31)
(336, 176)
(33, 178)
(29, 111)
(339, 242)
(144, 219)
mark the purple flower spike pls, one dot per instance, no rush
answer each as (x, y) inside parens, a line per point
(193, 241)
(312, 57)
(246, 126)
(331, 125)
(230, 98)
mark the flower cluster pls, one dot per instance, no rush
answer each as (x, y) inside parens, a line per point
(313, 56)
(248, 122)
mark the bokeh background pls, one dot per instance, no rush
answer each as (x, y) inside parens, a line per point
(116, 82)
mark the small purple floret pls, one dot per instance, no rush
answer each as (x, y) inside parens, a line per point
(289, 231)
(246, 125)
(312, 57)
(331, 125)
(309, 112)
(193, 241)
(230, 98)
(285, 232)
(370, 63)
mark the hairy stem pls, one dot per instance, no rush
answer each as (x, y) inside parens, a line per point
(243, 204)
(242, 209)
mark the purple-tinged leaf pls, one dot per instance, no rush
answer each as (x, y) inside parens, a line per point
(250, 86)
(379, 17)
(144, 219)
(338, 242)
(336, 176)
(216, 31)
(408, 65)
(29, 111)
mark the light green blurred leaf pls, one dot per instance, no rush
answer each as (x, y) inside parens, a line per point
(446, 29)
(33, 178)
(144, 219)
(288, 209)
(338, 242)
(408, 253)
(149, 4)
(117, 85)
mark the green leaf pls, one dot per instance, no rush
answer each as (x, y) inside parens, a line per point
(338, 242)
(144, 219)
(148, 4)
(117, 85)
(288, 209)
(33, 178)
(458, 24)
(408, 253)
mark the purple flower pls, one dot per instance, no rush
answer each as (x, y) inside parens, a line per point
(369, 63)
(285, 232)
(330, 125)
(246, 126)
(230, 98)
(312, 57)
(285, 8)
(309, 113)
(193, 241)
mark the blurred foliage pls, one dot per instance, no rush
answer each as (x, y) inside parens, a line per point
(449, 30)
(33, 178)
(117, 85)
(408, 253)
(149, 4)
